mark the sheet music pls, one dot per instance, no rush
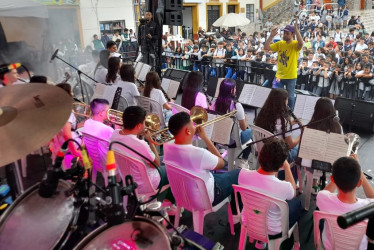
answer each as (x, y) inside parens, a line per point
(299, 106)
(105, 92)
(222, 131)
(247, 93)
(165, 83)
(259, 96)
(209, 129)
(319, 145)
(310, 103)
(144, 71)
(138, 67)
(313, 144)
(218, 86)
(336, 147)
(173, 89)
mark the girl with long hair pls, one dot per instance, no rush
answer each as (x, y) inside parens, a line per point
(153, 90)
(101, 69)
(114, 63)
(324, 109)
(192, 95)
(224, 104)
(275, 118)
(127, 83)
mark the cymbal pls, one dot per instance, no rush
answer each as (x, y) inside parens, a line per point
(30, 115)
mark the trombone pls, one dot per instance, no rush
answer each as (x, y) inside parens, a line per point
(152, 121)
(82, 109)
(198, 115)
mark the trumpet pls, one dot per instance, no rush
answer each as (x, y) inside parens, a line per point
(82, 109)
(353, 140)
(152, 121)
(198, 115)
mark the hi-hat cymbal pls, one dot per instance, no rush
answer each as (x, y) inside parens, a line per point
(30, 115)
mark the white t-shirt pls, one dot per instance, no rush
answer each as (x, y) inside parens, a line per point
(360, 47)
(196, 160)
(143, 148)
(100, 74)
(329, 202)
(158, 96)
(201, 100)
(271, 185)
(129, 90)
(102, 131)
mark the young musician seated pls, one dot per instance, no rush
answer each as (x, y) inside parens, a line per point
(133, 127)
(114, 64)
(324, 109)
(127, 83)
(199, 161)
(273, 156)
(101, 69)
(275, 118)
(225, 103)
(153, 90)
(192, 95)
(95, 126)
(346, 178)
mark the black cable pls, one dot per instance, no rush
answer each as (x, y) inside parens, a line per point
(76, 142)
(154, 165)
(27, 70)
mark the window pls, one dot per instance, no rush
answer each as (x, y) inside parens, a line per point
(213, 14)
(250, 12)
(231, 8)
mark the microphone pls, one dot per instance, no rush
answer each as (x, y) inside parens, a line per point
(54, 56)
(9, 67)
(116, 213)
(49, 183)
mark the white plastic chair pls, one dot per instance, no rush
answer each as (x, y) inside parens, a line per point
(178, 108)
(190, 193)
(311, 174)
(255, 207)
(151, 106)
(98, 162)
(341, 239)
(258, 134)
(128, 165)
(123, 104)
(233, 152)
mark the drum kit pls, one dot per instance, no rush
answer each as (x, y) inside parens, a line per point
(73, 215)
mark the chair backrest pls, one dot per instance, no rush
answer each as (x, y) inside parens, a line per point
(341, 239)
(258, 134)
(236, 136)
(128, 165)
(178, 108)
(93, 143)
(188, 189)
(151, 106)
(122, 104)
(255, 207)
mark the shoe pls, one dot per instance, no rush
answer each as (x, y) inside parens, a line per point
(315, 190)
(243, 163)
(260, 245)
(172, 210)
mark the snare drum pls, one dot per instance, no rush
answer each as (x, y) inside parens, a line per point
(34, 222)
(141, 233)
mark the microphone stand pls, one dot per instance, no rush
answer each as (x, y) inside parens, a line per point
(79, 75)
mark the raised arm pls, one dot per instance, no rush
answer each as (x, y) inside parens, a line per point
(268, 41)
(298, 35)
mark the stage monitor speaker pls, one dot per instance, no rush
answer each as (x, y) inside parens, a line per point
(174, 18)
(355, 114)
(171, 5)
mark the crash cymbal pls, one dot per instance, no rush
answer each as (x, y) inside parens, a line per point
(30, 115)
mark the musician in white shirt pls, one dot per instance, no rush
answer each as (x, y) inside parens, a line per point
(127, 83)
(101, 69)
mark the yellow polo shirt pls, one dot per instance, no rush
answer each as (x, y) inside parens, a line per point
(288, 53)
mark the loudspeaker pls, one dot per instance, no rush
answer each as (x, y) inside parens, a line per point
(173, 5)
(355, 114)
(174, 18)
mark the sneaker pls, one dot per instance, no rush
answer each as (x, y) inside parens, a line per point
(315, 190)
(260, 245)
(243, 163)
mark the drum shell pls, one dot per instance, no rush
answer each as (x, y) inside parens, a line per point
(34, 222)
